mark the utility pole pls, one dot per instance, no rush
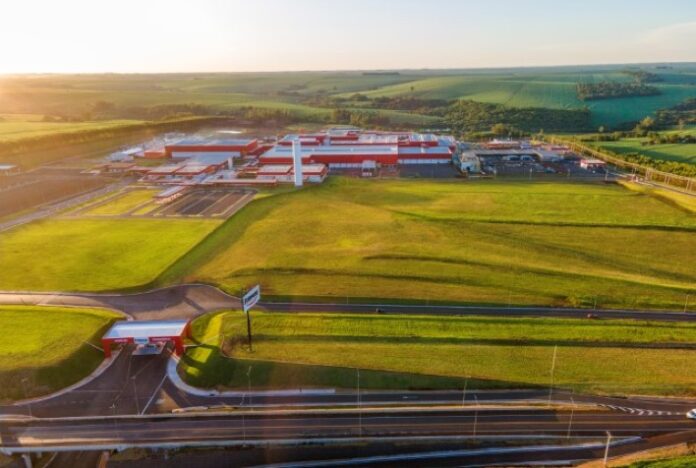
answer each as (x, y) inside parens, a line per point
(686, 302)
(606, 449)
(553, 368)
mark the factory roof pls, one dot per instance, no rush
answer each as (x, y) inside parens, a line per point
(285, 151)
(275, 169)
(146, 329)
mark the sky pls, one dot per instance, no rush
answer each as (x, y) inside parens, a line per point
(158, 36)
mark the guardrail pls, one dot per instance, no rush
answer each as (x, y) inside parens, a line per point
(649, 174)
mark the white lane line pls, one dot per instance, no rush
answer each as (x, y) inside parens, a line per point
(154, 394)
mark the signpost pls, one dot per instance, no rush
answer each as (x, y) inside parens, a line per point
(249, 300)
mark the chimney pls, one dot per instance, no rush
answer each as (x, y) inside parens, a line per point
(297, 161)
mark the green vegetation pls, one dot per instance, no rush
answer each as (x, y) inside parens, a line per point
(439, 352)
(469, 116)
(122, 203)
(45, 349)
(678, 462)
(94, 254)
(567, 244)
(612, 90)
(667, 151)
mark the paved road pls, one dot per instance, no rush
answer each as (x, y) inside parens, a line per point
(187, 301)
(255, 426)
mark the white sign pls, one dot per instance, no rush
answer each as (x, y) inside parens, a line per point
(252, 296)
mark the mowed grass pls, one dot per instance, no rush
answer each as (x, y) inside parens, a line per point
(668, 152)
(440, 352)
(46, 348)
(123, 203)
(94, 254)
(486, 242)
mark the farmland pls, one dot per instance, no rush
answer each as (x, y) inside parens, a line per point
(48, 357)
(122, 203)
(440, 352)
(14, 127)
(94, 254)
(668, 152)
(566, 244)
(307, 95)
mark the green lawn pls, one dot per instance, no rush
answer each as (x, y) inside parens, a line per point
(48, 347)
(123, 203)
(94, 254)
(486, 242)
(668, 152)
(440, 352)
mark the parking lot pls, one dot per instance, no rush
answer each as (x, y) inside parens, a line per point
(211, 203)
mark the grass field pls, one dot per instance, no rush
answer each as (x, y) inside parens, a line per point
(484, 242)
(688, 461)
(22, 126)
(440, 352)
(667, 152)
(122, 204)
(48, 347)
(94, 254)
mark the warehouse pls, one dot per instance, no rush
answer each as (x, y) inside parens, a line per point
(198, 145)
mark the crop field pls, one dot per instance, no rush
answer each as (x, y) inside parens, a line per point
(121, 204)
(667, 152)
(23, 192)
(538, 87)
(17, 127)
(94, 254)
(440, 352)
(486, 242)
(52, 356)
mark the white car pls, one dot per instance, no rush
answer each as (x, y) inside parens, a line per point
(691, 414)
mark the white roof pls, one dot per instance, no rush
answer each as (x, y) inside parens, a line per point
(146, 329)
(280, 151)
(275, 169)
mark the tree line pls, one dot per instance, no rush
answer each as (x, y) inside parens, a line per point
(612, 90)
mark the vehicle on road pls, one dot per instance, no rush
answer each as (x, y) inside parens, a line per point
(691, 414)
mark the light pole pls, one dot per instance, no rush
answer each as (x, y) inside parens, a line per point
(24, 387)
(135, 396)
(249, 384)
(359, 405)
(466, 382)
(553, 368)
(606, 449)
(686, 302)
(475, 415)
(570, 422)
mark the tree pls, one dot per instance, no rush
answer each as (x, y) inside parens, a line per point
(499, 129)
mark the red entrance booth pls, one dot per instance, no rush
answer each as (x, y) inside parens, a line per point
(147, 332)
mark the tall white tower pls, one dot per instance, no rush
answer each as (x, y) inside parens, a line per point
(297, 161)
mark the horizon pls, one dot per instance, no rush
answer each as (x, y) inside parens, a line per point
(77, 37)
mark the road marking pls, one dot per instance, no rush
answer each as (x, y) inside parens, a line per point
(640, 411)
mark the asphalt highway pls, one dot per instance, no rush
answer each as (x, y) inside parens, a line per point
(331, 424)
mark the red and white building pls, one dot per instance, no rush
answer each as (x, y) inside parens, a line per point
(241, 146)
(350, 148)
(147, 332)
(315, 173)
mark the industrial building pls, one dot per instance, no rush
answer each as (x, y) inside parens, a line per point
(351, 148)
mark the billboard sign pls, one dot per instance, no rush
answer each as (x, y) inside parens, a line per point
(251, 297)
